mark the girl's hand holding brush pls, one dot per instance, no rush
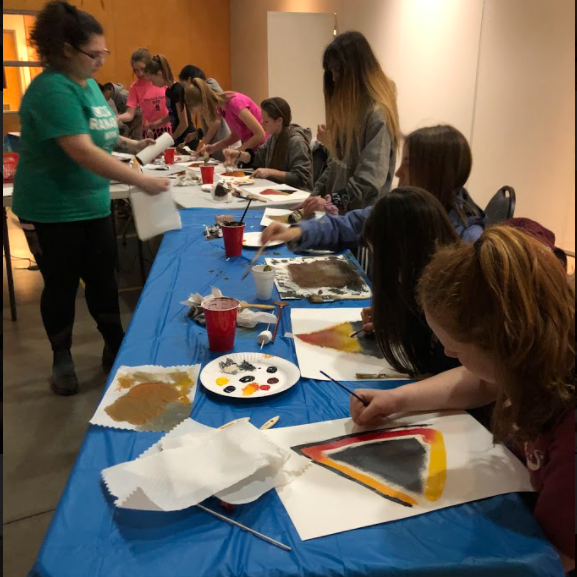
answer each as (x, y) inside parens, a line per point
(277, 231)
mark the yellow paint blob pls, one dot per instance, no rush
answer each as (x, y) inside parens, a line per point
(221, 381)
(250, 389)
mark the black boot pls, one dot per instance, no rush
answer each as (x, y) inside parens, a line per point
(63, 380)
(108, 357)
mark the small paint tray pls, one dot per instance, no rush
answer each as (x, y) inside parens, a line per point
(249, 375)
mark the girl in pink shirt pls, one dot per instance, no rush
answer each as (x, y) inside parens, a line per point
(241, 113)
(149, 98)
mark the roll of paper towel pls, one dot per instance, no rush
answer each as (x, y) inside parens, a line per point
(147, 155)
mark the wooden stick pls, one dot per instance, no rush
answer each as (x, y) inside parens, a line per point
(235, 421)
(245, 528)
(244, 305)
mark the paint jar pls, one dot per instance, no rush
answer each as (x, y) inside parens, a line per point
(207, 174)
(233, 234)
(220, 315)
(264, 282)
(169, 155)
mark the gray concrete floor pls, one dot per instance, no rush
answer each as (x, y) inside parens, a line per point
(43, 432)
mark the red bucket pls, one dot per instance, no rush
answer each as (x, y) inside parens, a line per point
(9, 164)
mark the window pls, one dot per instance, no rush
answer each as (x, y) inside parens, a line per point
(20, 61)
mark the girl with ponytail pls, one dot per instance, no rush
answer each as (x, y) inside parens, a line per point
(504, 308)
(149, 98)
(158, 72)
(242, 115)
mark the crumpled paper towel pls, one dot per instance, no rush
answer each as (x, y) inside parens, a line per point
(188, 178)
(246, 318)
(237, 464)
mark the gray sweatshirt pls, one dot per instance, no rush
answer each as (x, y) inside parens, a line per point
(298, 164)
(366, 174)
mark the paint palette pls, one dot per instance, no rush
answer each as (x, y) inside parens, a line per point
(249, 375)
(252, 240)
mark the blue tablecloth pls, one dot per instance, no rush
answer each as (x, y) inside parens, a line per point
(89, 537)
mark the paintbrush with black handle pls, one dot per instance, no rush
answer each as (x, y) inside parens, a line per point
(345, 388)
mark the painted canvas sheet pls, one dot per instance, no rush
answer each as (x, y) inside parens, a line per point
(323, 343)
(413, 465)
(335, 276)
(278, 193)
(281, 215)
(148, 398)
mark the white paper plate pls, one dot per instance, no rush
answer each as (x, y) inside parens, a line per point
(287, 374)
(208, 187)
(252, 240)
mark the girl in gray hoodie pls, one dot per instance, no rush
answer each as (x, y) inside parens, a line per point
(286, 156)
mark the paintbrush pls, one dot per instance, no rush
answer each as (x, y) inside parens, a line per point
(246, 209)
(270, 423)
(355, 334)
(321, 299)
(245, 305)
(280, 306)
(256, 257)
(245, 528)
(385, 376)
(346, 389)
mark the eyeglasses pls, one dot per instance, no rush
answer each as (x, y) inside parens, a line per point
(103, 55)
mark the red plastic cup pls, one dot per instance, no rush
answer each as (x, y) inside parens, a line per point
(233, 235)
(220, 315)
(169, 155)
(207, 174)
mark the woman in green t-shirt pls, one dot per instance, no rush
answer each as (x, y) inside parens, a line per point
(62, 185)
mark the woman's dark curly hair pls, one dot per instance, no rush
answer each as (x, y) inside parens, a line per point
(58, 24)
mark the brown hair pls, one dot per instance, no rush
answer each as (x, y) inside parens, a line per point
(60, 23)
(159, 63)
(360, 86)
(507, 295)
(279, 108)
(140, 55)
(404, 229)
(440, 161)
(199, 93)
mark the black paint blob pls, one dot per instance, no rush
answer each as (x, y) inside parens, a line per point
(230, 389)
(247, 379)
(272, 370)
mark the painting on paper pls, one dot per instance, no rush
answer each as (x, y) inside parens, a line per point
(411, 465)
(331, 276)
(148, 398)
(323, 342)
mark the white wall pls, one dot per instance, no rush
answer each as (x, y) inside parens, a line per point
(299, 79)
(430, 49)
(502, 72)
(524, 132)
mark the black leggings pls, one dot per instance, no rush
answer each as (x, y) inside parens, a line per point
(67, 252)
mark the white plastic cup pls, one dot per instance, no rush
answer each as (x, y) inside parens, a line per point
(264, 282)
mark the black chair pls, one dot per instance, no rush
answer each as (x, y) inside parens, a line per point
(502, 206)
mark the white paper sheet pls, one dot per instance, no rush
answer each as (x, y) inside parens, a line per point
(195, 462)
(339, 364)
(297, 195)
(339, 267)
(322, 502)
(154, 215)
(175, 412)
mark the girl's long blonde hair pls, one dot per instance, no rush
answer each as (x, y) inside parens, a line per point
(199, 93)
(360, 85)
(508, 295)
